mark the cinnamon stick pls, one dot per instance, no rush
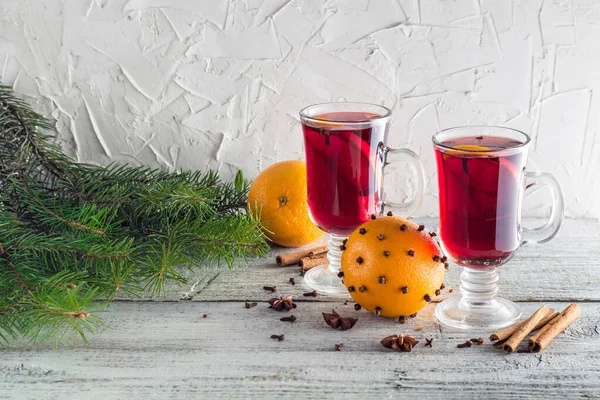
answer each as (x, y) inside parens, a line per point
(293, 258)
(311, 262)
(539, 341)
(526, 328)
(507, 332)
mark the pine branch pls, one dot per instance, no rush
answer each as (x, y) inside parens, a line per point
(72, 235)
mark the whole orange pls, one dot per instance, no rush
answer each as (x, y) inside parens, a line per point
(392, 266)
(278, 197)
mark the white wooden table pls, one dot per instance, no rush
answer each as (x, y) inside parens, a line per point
(166, 349)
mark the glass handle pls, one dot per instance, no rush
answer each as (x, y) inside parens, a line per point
(535, 181)
(411, 205)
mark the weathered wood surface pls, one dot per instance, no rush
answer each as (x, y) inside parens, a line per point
(168, 350)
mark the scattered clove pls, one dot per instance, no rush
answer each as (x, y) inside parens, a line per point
(292, 281)
(402, 320)
(338, 346)
(270, 288)
(280, 304)
(403, 343)
(378, 311)
(278, 337)
(292, 318)
(357, 307)
(412, 315)
(204, 315)
(477, 341)
(429, 342)
(335, 321)
(314, 293)
(463, 345)
(250, 305)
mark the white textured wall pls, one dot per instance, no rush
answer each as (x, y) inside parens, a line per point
(218, 83)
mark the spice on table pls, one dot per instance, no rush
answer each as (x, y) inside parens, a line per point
(278, 337)
(540, 340)
(250, 305)
(204, 315)
(292, 281)
(450, 290)
(311, 262)
(419, 328)
(402, 320)
(429, 342)
(463, 345)
(357, 307)
(314, 293)
(403, 343)
(506, 333)
(477, 340)
(338, 346)
(525, 329)
(292, 318)
(272, 289)
(335, 321)
(280, 304)
(293, 258)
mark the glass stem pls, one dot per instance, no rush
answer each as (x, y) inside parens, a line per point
(335, 253)
(479, 286)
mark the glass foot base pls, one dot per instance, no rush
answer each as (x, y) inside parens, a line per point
(491, 315)
(325, 281)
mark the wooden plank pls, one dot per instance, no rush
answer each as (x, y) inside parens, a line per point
(167, 350)
(564, 269)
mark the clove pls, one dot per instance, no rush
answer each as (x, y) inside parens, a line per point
(278, 337)
(411, 253)
(381, 279)
(438, 292)
(270, 288)
(250, 305)
(340, 274)
(314, 293)
(404, 289)
(402, 320)
(292, 318)
(362, 289)
(362, 231)
(386, 253)
(403, 227)
(463, 345)
(436, 258)
(427, 298)
(359, 260)
(292, 281)
(378, 311)
(373, 216)
(389, 213)
(380, 236)
(421, 227)
(357, 307)
(429, 342)
(338, 346)
(477, 341)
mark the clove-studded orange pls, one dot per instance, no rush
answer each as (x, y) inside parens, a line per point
(392, 267)
(278, 196)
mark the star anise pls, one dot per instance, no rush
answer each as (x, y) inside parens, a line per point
(335, 321)
(400, 342)
(280, 304)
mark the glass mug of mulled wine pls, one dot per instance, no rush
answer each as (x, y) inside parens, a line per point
(346, 155)
(482, 181)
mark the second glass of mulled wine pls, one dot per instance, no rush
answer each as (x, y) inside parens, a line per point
(346, 154)
(482, 181)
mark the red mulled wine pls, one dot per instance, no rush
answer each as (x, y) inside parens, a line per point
(343, 167)
(480, 193)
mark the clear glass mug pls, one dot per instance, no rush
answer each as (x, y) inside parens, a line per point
(482, 181)
(346, 154)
